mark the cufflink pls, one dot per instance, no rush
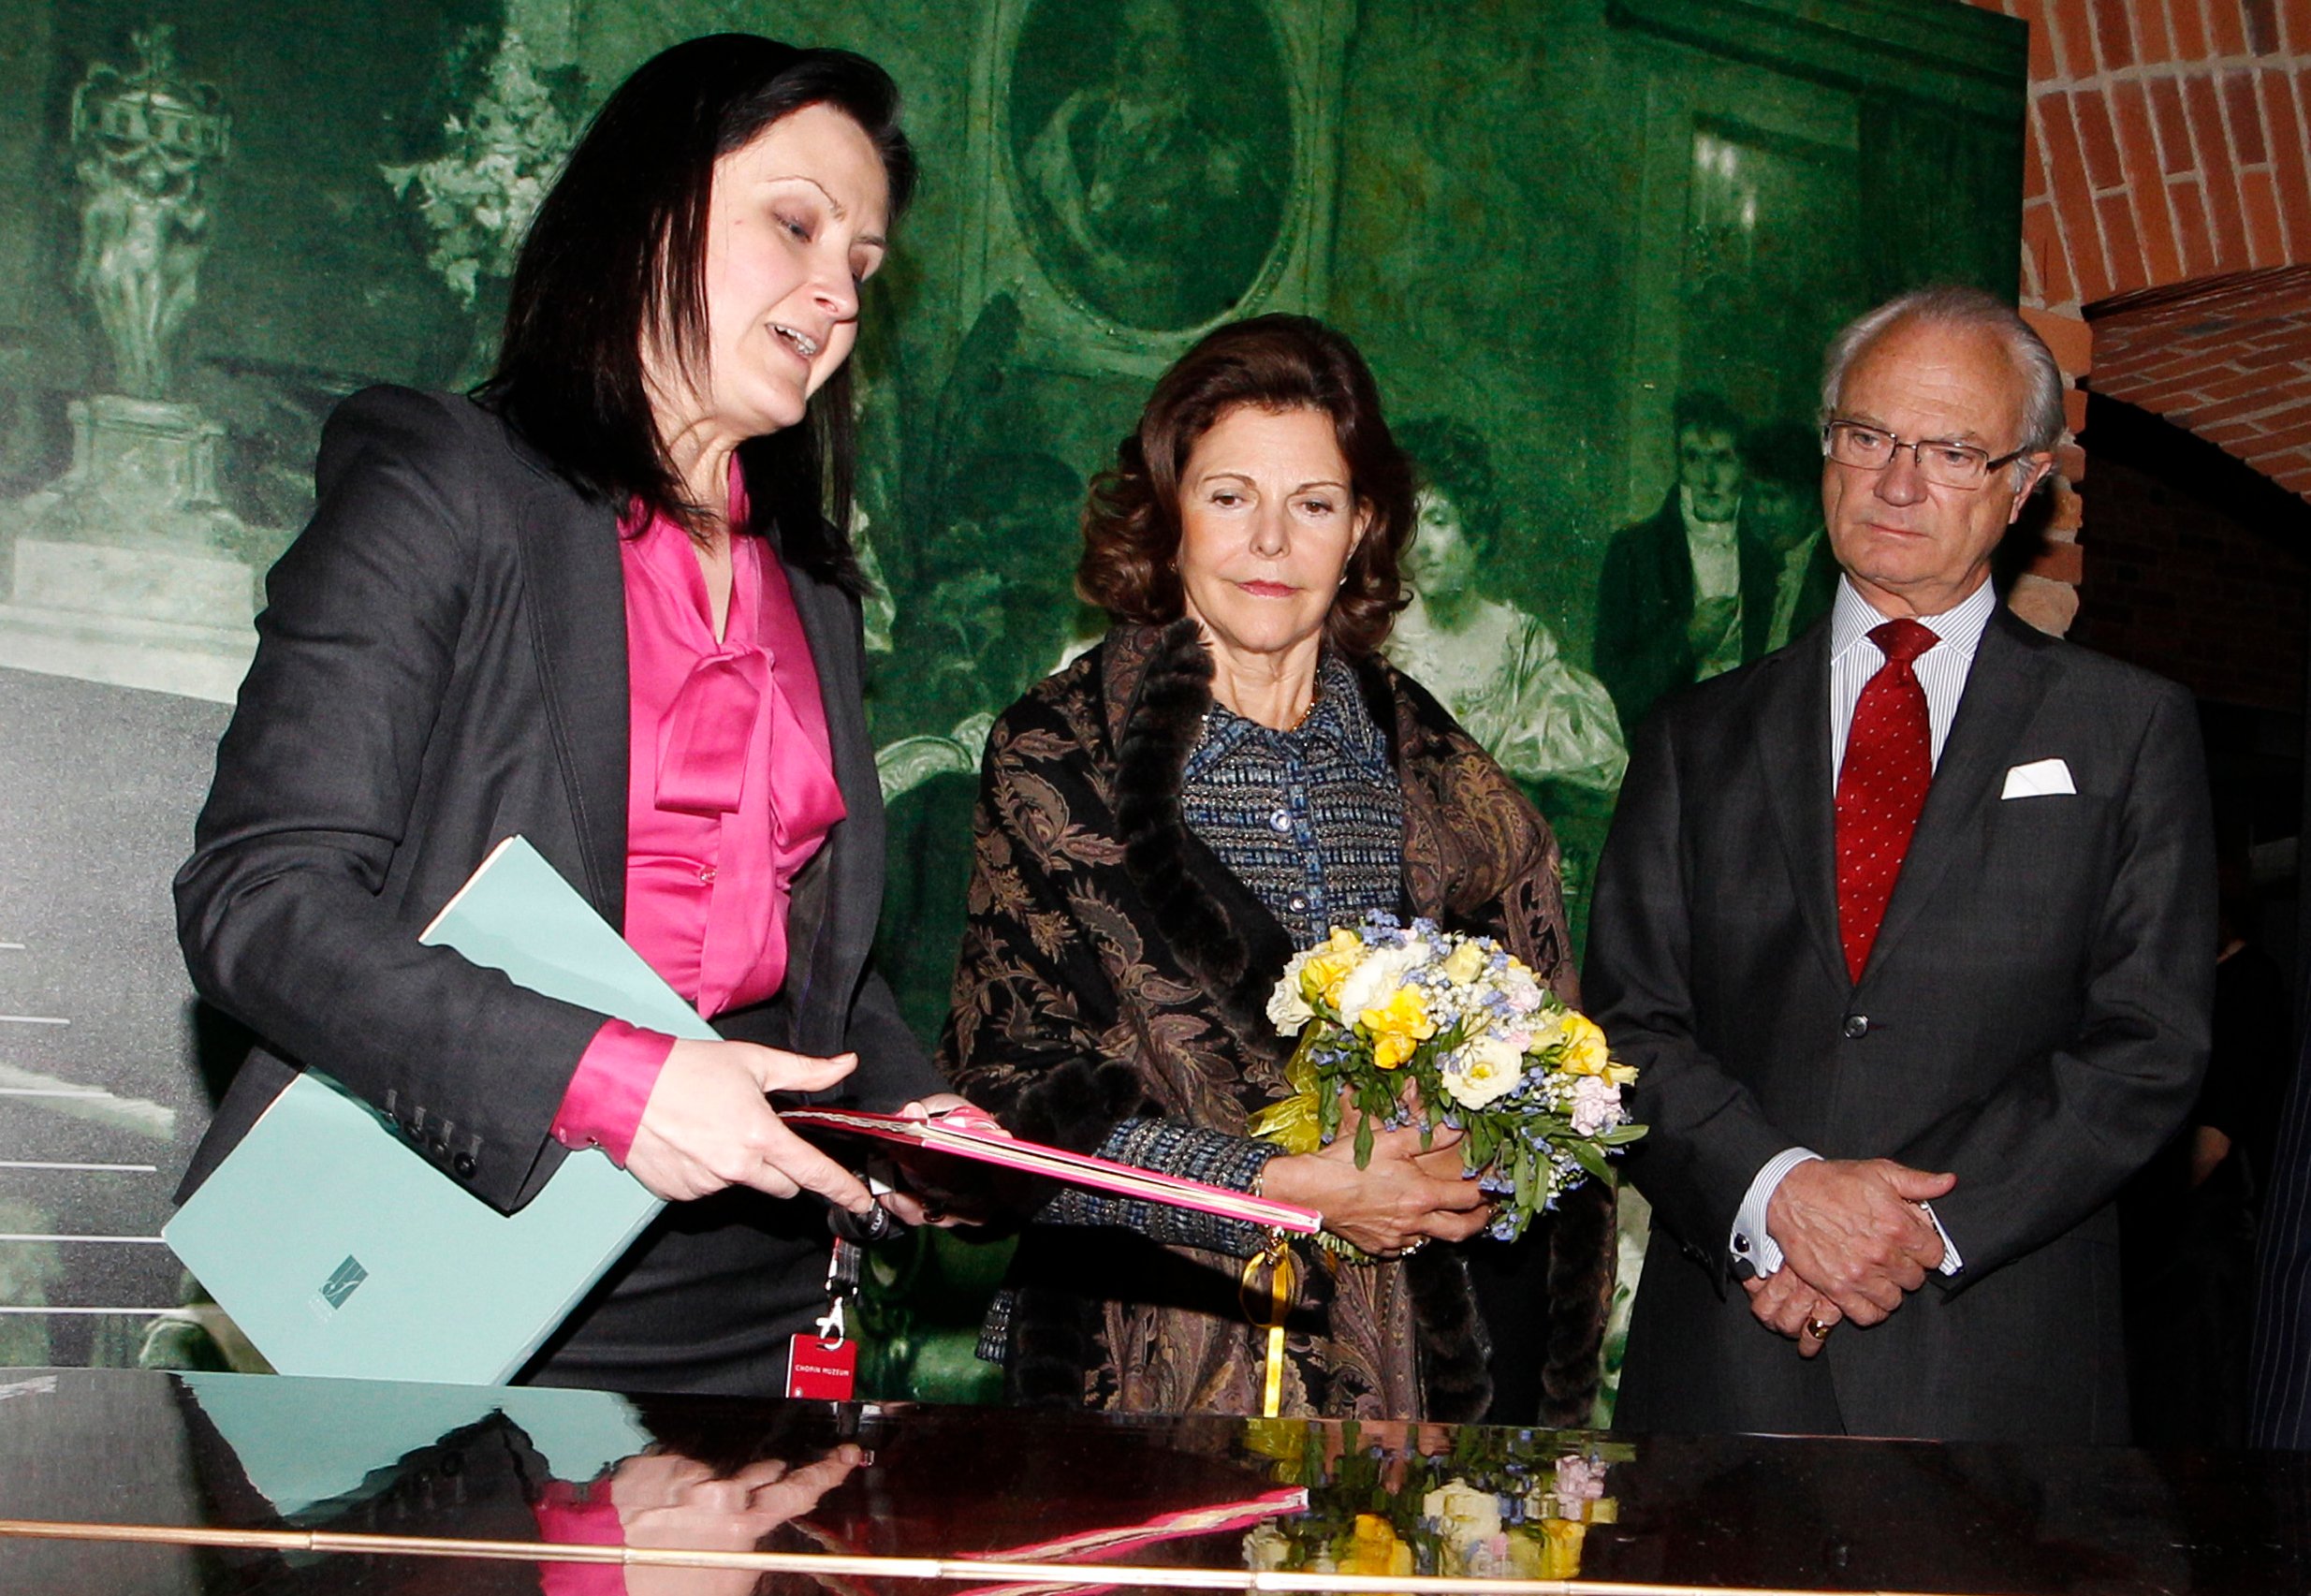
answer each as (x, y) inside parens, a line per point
(1741, 1242)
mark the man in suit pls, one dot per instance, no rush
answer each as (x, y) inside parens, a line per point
(1907, 927)
(1691, 591)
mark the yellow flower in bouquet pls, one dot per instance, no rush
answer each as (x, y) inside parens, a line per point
(1464, 964)
(1584, 1046)
(1324, 976)
(1398, 1027)
(1296, 1123)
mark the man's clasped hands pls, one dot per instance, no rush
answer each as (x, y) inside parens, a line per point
(1854, 1242)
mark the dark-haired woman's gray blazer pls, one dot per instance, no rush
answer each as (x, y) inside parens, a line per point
(442, 664)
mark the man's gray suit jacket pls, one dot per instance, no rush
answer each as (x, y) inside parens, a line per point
(2033, 1018)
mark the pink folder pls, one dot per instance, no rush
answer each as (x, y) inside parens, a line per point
(960, 1136)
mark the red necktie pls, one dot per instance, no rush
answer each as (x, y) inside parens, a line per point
(1881, 788)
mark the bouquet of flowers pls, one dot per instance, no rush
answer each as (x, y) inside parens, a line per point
(1417, 1025)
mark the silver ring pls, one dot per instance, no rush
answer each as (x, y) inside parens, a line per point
(1418, 1242)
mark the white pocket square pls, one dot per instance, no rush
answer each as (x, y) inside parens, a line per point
(2040, 778)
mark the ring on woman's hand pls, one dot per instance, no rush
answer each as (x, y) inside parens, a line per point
(1413, 1246)
(1819, 1329)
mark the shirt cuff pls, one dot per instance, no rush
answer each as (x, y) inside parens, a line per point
(1951, 1263)
(603, 1106)
(1755, 1252)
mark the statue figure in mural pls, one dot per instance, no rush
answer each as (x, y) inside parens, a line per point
(136, 530)
(140, 139)
(476, 199)
(1155, 193)
(1497, 669)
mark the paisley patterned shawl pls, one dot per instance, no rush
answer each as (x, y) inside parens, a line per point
(1112, 968)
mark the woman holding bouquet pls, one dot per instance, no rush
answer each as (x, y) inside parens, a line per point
(1229, 775)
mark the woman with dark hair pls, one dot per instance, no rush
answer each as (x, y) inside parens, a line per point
(1229, 774)
(1497, 669)
(606, 604)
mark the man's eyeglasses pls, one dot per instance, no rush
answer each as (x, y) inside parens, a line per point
(1945, 464)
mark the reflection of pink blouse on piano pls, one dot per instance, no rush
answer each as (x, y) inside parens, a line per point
(730, 789)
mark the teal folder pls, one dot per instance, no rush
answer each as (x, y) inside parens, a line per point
(339, 1251)
(312, 1450)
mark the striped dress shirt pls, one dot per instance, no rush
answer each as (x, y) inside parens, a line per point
(1942, 671)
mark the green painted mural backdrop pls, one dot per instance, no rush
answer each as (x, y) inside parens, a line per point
(1544, 221)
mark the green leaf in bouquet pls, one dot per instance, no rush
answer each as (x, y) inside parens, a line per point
(1590, 1157)
(1482, 1140)
(1621, 1135)
(1364, 1140)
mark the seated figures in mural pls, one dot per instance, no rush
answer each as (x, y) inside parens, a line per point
(1230, 773)
(1497, 669)
(601, 607)
(1688, 591)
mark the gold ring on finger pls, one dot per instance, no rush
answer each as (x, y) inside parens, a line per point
(1818, 1330)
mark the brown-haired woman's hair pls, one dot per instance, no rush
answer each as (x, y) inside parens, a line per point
(1130, 525)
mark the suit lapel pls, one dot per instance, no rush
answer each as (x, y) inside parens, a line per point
(577, 603)
(1793, 751)
(2002, 692)
(815, 932)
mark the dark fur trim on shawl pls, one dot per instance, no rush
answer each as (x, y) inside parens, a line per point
(1583, 1246)
(1218, 930)
(1054, 1340)
(1079, 1104)
(1455, 1346)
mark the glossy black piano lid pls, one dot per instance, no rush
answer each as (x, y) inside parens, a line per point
(256, 1452)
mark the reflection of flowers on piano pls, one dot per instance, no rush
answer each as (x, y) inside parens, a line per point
(1392, 1500)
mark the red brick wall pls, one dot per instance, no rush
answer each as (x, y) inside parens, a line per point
(2169, 140)
(2228, 358)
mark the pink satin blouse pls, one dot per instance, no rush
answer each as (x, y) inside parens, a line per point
(730, 790)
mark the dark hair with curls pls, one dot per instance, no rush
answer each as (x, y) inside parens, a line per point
(1130, 525)
(615, 259)
(1453, 460)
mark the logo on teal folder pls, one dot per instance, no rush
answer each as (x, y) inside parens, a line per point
(343, 1282)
